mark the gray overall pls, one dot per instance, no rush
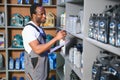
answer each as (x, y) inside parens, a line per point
(36, 66)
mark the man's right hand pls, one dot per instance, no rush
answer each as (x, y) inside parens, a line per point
(61, 35)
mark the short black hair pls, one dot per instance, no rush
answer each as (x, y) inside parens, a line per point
(33, 8)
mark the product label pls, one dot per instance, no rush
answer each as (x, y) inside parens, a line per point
(45, 1)
(11, 64)
(112, 40)
(102, 24)
(91, 22)
(112, 25)
(96, 23)
(36, 1)
(119, 26)
(17, 64)
(19, 1)
(27, 1)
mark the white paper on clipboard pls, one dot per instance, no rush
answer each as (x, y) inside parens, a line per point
(59, 46)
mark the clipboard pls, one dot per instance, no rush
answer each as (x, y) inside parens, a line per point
(59, 46)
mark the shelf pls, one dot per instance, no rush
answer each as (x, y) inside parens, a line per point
(50, 6)
(49, 27)
(2, 26)
(3, 70)
(10, 7)
(15, 27)
(61, 5)
(75, 1)
(28, 5)
(74, 68)
(59, 28)
(107, 47)
(19, 27)
(16, 48)
(2, 48)
(1, 4)
(21, 5)
(60, 73)
(81, 36)
(16, 71)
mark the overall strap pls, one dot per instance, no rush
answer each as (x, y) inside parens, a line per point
(33, 26)
(42, 34)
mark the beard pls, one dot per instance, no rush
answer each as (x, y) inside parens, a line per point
(41, 21)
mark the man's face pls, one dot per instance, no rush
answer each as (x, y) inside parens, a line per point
(40, 15)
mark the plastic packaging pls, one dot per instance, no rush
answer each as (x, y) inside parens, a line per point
(47, 2)
(11, 63)
(14, 78)
(2, 18)
(22, 60)
(2, 40)
(27, 1)
(19, 1)
(52, 60)
(71, 55)
(36, 1)
(21, 78)
(91, 25)
(62, 19)
(17, 64)
(1, 61)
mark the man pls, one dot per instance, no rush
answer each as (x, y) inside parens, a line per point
(36, 57)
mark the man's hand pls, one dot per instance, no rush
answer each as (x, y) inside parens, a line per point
(61, 35)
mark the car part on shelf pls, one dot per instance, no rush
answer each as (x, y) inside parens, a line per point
(16, 20)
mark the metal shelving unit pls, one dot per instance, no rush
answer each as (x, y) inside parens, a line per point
(3, 50)
(104, 46)
(10, 7)
(91, 48)
(70, 7)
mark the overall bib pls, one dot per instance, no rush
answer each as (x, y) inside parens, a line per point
(37, 66)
